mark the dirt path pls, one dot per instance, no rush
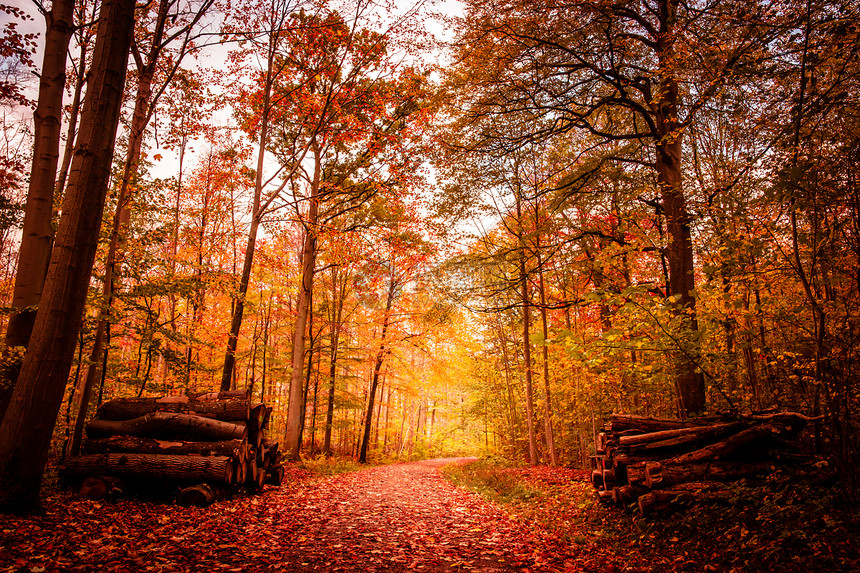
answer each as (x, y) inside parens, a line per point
(403, 517)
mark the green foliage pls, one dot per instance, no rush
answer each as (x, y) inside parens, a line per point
(492, 478)
(322, 465)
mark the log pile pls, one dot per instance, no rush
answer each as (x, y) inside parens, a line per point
(207, 444)
(660, 464)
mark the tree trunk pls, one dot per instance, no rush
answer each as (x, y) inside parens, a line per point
(139, 121)
(377, 366)
(548, 431)
(295, 414)
(26, 431)
(168, 425)
(527, 345)
(256, 216)
(36, 239)
(124, 444)
(229, 410)
(690, 384)
(151, 466)
(338, 296)
(202, 495)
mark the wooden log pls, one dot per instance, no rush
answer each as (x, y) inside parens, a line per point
(275, 475)
(152, 466)
(604, 496)
(627, 493)
(240, 472)
(257, 416)
(267, 416)
(100, 487)
(215, 396)
(663, 475)
(168, 425)
(727, 446)
(252, 472)
(202, 495)
(662, 501)
(597, 478)
(255, 438)
(228, 410)
(135, 444)
(271, 446)
(621, 422)
(678, 436)
(636, 473)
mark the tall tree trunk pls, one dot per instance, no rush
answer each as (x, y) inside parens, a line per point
(139, 120)
(309, 369)
(36, 240)
(338, 296)
(377, 366)
(547, 423)
(25, 434)
(295, 414)
(256, 217)
(690, 384)
(527, 345)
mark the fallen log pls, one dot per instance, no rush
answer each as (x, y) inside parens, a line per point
(100, 487)
(275, 475)
(226, 410)
(663, 501)
(678, 436)
(663, 475)
(202, 495)
(121, 444)
(622, 422)
(214, 396)
(728, 446)
(152, 466)
(168, 425)
(627, 493)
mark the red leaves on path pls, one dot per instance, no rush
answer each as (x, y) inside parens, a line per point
(403, 517)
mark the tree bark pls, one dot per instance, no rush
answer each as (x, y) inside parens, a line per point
(689, 383)
(26, 431)
(139, 121)
(527, 345)
(547, 423)
(124, 444)
(153, 466)
(168, 425)
(338, 296)
(37, 234)
(295, 414)
(377, 366)
(230, 410)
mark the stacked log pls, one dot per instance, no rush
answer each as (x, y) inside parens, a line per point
(662, 464)
(208, 444)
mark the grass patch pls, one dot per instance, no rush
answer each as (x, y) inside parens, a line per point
(494, 478)
(328, 466)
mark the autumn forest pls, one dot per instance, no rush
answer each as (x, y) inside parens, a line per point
(432, 229)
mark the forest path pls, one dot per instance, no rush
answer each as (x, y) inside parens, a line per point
(403, 517)
(396, 518)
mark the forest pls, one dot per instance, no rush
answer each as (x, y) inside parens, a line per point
(430, 229)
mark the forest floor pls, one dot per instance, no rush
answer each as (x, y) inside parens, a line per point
(401, 517)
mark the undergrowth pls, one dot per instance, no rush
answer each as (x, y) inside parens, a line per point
(322, 465)
(789, 521)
